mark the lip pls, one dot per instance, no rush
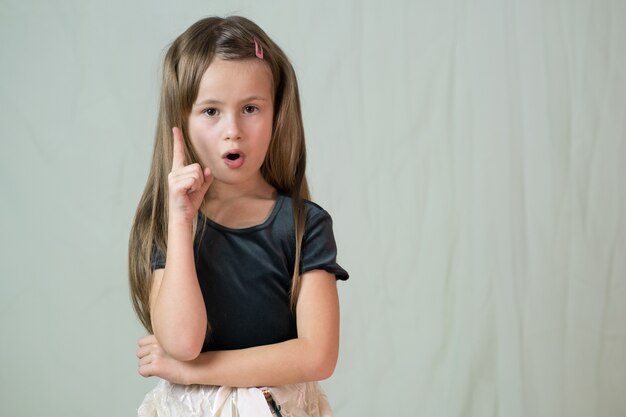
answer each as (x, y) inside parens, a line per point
(237, 162)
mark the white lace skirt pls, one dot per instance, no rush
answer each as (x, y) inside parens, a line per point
(296, 400)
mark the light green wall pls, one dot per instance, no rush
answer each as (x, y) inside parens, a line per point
(472, 155)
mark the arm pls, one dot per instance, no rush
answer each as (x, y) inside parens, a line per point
(177, 307)
(310, 357)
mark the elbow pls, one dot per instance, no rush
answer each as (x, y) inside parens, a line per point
(182, 346)
(183, 350)
(324, 372)
(182, 341)
(323, 365)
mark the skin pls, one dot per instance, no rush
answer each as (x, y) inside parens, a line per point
(233, 110)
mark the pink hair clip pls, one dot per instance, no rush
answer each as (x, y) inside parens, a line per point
(258, 49)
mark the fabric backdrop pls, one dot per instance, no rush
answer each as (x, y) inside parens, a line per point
(472, 154)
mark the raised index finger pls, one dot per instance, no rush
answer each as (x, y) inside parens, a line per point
(178, 158)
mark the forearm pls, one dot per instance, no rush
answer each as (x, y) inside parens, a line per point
(310, 357)
(293, 361)
(178, 313)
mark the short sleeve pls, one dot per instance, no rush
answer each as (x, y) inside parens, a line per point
(157, 258)
(319, 250)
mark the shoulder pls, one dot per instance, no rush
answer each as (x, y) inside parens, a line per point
(319, 223)
(319, 249)
(314, 211)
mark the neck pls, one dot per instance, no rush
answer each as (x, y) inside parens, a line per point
(254, 188)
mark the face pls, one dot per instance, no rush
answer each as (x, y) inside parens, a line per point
(230, 124)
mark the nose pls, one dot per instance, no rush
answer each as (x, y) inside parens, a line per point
(232, 128)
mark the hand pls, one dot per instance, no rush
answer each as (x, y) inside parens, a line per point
(187, 183)
(154, 361)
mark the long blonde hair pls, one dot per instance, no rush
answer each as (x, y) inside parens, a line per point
(231, 38)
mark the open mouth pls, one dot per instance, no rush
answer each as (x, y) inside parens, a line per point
(234, 158)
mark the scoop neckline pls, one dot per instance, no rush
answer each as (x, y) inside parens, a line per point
(270, 218)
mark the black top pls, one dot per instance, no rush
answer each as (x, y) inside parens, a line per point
(245, 274)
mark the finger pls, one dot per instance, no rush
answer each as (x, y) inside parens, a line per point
(178, 157)
(145, 360)
(194, 168)
(145, 371)
(188, 171)
(208, 179)
(191, 178)
(186, 185)
(147, 340)
(144, 351)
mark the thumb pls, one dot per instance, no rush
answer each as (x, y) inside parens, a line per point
(208, 179)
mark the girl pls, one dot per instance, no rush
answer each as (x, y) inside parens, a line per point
(232, 269)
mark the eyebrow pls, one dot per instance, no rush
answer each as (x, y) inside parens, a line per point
(213, 101)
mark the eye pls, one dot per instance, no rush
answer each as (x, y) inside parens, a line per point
(250, 109)
(211, 112)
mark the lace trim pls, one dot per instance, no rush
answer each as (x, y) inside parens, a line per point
(173, 400)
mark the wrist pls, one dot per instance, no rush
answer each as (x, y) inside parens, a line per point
(187, 373)
(179, 221)
(198, 371)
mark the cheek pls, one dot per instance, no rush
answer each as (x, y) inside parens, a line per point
(267, 129)
(203, 146)
(265, 138)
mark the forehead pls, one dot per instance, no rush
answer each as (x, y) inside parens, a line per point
(231, 80)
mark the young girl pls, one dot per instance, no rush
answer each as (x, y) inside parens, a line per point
(232, 269)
